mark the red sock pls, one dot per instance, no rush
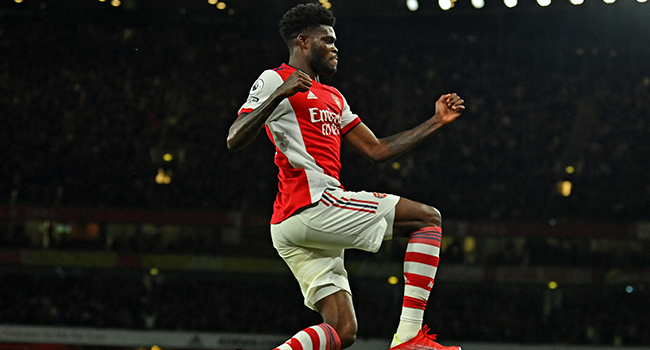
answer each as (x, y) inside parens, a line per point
(319, 337)
(420, 267)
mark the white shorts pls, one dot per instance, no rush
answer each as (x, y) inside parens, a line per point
(313, 240)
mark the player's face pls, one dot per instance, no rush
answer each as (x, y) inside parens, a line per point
(323, 55)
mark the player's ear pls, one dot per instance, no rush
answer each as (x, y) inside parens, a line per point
(302, 41)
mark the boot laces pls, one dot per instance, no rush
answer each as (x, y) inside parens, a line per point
(425, 330)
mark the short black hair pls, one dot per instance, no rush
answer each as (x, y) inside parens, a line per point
(304, 17)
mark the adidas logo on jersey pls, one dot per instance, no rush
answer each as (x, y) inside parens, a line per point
(311, 96)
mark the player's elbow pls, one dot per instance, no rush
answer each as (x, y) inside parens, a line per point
(236, 139)
(380, 154)
(378, 158)
(234, 147)
(373, 155)
(230, 143)
(233, 143)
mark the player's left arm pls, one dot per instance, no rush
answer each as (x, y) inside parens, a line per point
(364, 141)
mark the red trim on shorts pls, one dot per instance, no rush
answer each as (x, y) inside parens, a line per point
(351, 204)
(360, 201)
(354, 209)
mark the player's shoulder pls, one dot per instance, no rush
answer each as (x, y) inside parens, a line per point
(282, 71)
(268, 79)
(278, 74)
(284, 68)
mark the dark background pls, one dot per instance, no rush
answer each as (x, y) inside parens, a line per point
(92, 96)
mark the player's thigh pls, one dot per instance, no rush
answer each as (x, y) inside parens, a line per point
(319, 272)
(349, 220)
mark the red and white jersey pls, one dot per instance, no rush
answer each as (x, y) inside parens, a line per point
(306, 130)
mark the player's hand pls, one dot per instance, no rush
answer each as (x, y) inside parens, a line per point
(448, 108)
(298, 81)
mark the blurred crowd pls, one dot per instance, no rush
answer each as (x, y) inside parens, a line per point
(90, 106)
(588, 315)
(525, 251)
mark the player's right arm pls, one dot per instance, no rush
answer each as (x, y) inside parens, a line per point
(247, 125)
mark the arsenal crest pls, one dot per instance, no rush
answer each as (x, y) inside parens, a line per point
(336, 100)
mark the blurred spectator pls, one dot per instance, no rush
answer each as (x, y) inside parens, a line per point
(91, 106)
(589, 315)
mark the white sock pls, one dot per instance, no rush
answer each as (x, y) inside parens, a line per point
(420, 267)
(408, 327)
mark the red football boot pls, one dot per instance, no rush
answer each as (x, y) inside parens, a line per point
(423, 341)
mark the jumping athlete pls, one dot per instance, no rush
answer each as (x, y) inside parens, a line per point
(314, 219)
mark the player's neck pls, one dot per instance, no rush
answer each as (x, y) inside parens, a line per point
(301, 64)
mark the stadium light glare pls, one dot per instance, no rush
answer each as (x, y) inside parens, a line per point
(564, 188)
(577, 2)
(412, 5)
(609, 1)
(641, 1)
(469, 245)
(570, 169)
(478, 4)
(544, 3)
(18, 1)
(163, 178)
(116, 3)
(393, 280)
(444, 4)
(221, 5)
(510, 3)
(213, 2)
(326, 4)
(552, 285)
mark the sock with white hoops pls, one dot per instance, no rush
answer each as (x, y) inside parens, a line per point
(319, 337)
(420, 267)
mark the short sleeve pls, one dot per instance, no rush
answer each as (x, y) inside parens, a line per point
(348, 119)
(261, 90)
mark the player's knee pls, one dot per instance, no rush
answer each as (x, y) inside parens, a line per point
(432, 216)
(347, 334)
